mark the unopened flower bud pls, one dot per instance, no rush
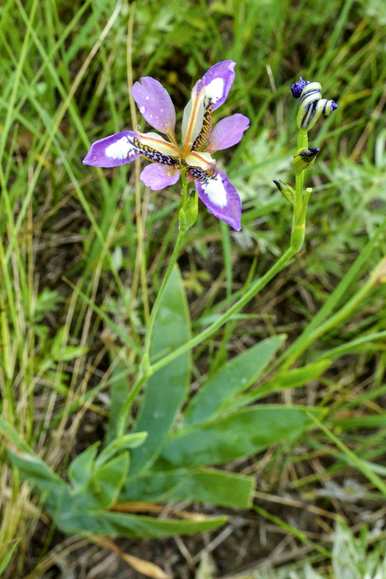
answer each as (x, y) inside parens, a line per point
(311, 103)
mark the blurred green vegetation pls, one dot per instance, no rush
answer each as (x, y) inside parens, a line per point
(71, 299)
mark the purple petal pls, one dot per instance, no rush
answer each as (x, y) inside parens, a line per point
(112, 151)
(217, 82)
(228, 132)
(155, 104)
(157, 176)
(221, 198)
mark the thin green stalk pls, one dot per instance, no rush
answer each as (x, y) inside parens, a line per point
(254, 289)
(307, 337)
(302, 141)
(301, 200)
(156, 306)
(145, 367)
(352, 458)
(135, 390)
(341, 315)
(296, 243)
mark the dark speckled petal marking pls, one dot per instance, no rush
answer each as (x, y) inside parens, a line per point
(152, 154)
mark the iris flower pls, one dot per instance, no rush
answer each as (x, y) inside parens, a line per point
(199, 140)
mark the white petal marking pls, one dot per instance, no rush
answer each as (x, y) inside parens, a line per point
(120, 149)
(215, 90)
(216, 191)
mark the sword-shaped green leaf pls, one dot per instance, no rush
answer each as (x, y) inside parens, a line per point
(235, 376)
(237, 435)
(166, 390)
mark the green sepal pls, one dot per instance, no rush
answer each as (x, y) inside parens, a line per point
(304, 159)
(286, 190)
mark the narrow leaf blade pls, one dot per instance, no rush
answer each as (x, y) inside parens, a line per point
(167, 389)
(231, 379)
(241, 434)
(81, 468)
(108, 479)
(113, 524)
(36, 471)
(208, 486)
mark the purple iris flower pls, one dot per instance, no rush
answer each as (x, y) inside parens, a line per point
(199, 140)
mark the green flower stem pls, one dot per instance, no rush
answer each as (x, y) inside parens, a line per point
(145, 368)
(301, 200)
(302, 144)
(296, 243)
(254, 289)
(133, 393)
(145, 364)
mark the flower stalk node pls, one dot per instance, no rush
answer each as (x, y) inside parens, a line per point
(304, 159)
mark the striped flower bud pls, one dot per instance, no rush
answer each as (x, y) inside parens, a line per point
(311, 104)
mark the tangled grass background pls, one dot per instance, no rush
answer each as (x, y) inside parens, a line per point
(69, 260)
